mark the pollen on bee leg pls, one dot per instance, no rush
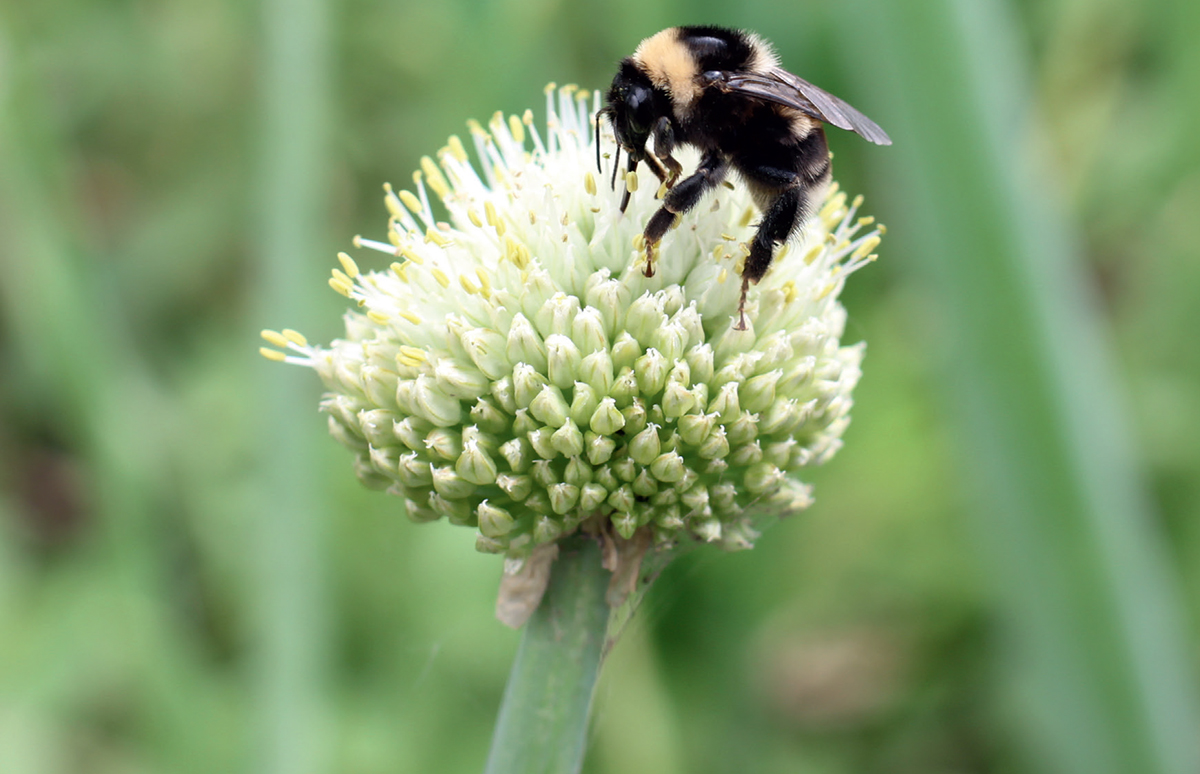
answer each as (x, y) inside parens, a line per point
(662, 190)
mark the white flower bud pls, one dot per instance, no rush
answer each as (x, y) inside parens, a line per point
(524, 345)
(556, 314)
(625, 351)
(518, 453)
(597, 370)
(625, 388)
(587, 330)
(578, 472)
(644, 485)
(694, 428)
(486, 350)
(671, 340)
(563, 498)
(517, 487)
(564, 360)
(749, 454)
(449, 484)
(742, 430)
(610, 297)
(378, 384)
(411, 432)
(726, 403)
(460, 381)
(762, 478)
(413, 472)
(541, 441)
(433, 405)
(700, 361)
(758, 393)
(485, 414)
(376, 427)
(591, 496)
(677, 400)
(716, 445)
(636, 417)
(504, 394)
(443, 443)
(645, 316)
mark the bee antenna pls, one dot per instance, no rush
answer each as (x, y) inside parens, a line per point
(625, 199)
(616, 163)
(598, 170)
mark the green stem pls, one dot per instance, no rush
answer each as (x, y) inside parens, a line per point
(542, 727)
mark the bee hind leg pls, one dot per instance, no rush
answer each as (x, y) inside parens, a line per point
(779, 221)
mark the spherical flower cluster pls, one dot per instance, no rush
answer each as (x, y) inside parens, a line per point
(514, 371)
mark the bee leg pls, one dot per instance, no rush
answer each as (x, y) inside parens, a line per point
(682, 198)
(778, 223)
(664, 145)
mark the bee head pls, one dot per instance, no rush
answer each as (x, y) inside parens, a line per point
(631, 108)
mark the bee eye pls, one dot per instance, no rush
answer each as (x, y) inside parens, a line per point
(639, 110)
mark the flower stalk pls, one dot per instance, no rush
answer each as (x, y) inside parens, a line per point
(542, 727)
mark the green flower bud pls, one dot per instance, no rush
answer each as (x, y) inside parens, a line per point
(563, 497)
(645, 446)
(694, 428)
(518, 453)
(668, 467)
(474, 465)
(743, 429)
(599, 449)
(762, 478)
(636, 417)
(414, 473)
(546, 529)
(549, 407)
(420, 513)
(556, 314)
(493, 522)
(651, 372)
(625, 389)
(716, 445)
(677, 400)
(625, 351)
(644, 317)
(433, 405)
(457, 511)
(504, 394)
(568, 440)
(527, 384)
(489, 418)
(449, 484)
(700, 361)
(625, 469)
(578, 472)
(759, 391)
(622, 499)
(591, 496)
(671, 340)
(607, 418)
(542, 444)
(443, 443)
(376, 426)
(517, 487)
(726, 402)
(749, 454)
(584, 402)
(645, 484)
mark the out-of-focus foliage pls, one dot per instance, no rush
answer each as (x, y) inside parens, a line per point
(137, 614)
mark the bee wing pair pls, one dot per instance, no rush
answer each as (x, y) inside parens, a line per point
(783, 88)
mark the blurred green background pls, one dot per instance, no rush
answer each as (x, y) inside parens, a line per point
(1002, 569)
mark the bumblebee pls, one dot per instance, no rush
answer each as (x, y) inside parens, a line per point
(723, 92)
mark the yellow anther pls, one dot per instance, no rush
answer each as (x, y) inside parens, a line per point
(441, 277)
(456, 148)
(631, 181)
(341, 277)
(410, 201)
(728, 237)
(834, 187)
(516, 129)
(550, 87)
(783, 251)
(565, 219)
(393, 236)
(882, 228)
(532, 218)
(594, 209)
(434, 177)
(357, 240)
(348, 265)
(589, 184)
(412, 318)
(476, 128)
(485, 282)
(789, 292)
(467, 284)
(527, 117)
(432, 235)
(719, 251)
(812, 254)
(724, 275)
(415, 353)
(747, 216)
(412, 255)
(274, 338)
(865, 221)
(728, 185)
(296, 337)
(272, 354)
(869, 244)
(473, 216)
(639, 242)
(825, 291)
(401, 271)
(570, 89)
(408, 362)
(489, 210)
(339, 286)
(379, 317)
(858, 200)
(393, 204)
